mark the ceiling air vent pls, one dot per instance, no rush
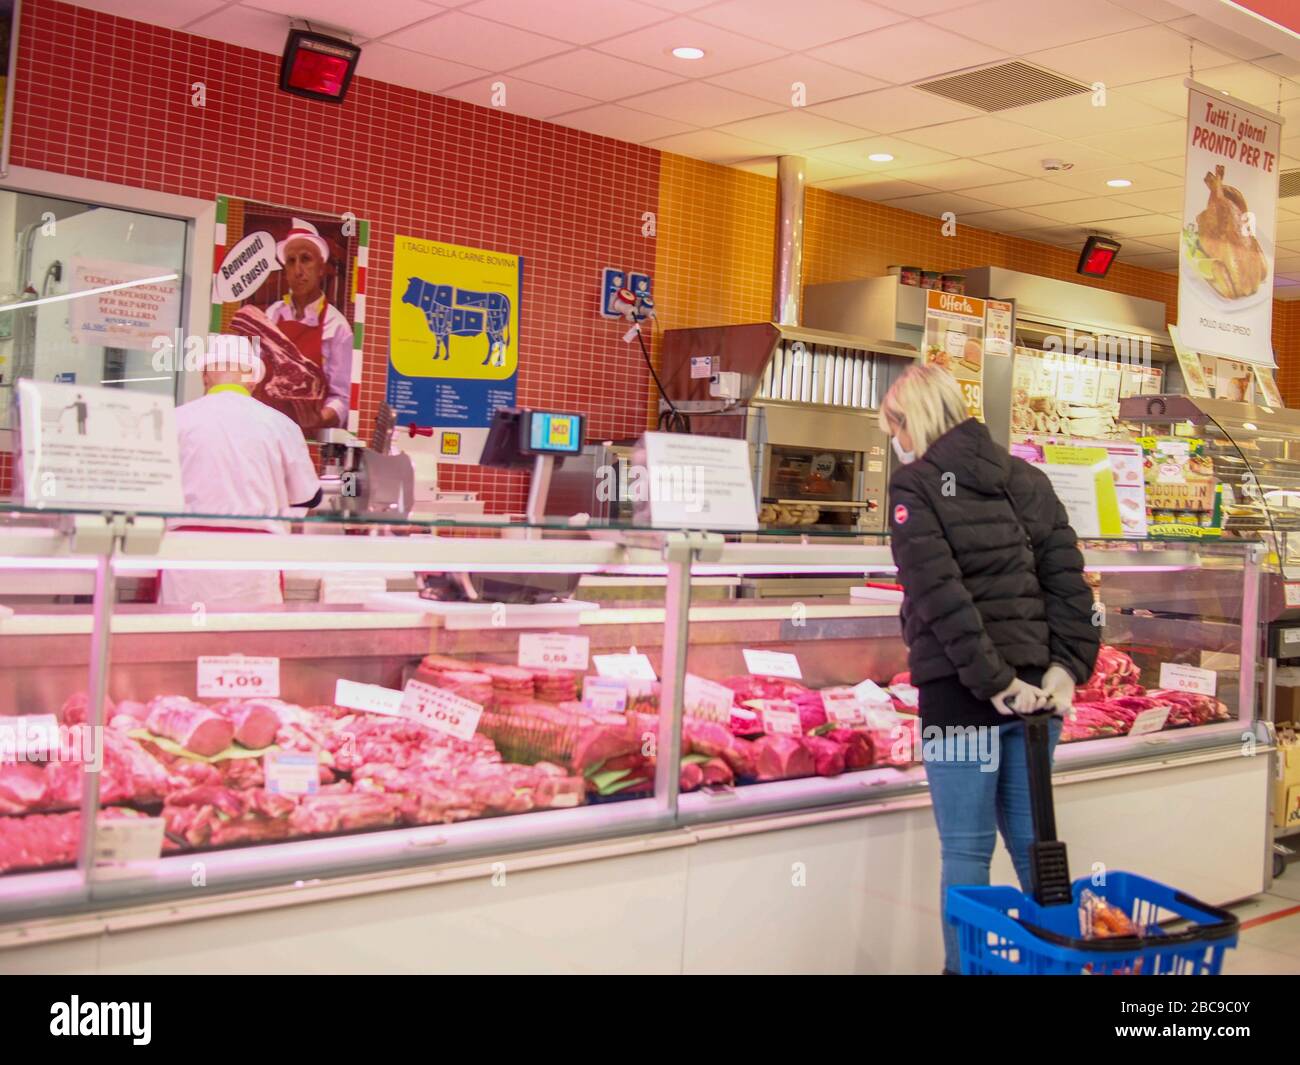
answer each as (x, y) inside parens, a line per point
(1290, 184)
(1003, 86)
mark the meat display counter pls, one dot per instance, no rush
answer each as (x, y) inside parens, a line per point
(653, 746)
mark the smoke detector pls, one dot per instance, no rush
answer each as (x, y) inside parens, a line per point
(1056, 164)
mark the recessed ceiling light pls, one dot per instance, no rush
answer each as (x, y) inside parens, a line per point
(1119, 183)
(686, 52)
(881, 157)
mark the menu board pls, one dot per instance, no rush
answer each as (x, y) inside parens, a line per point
(1063, 396)
(954, 340)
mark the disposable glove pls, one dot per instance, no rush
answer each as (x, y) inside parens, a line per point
(1020, 698)
(1059, 684)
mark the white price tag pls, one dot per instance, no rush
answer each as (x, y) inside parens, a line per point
(772, 664)
(292, 772)
(869, 693)
(223, 676)
(1152, 720)
(781, 722)
(1185, 678)
(1291, 590)
(553, 650)
(906, 694)
(604, 695)
(370, 697)
(843, 707)
(632, 666)
(707, 698)
(441, 709)
(128, 839)
(29, 737)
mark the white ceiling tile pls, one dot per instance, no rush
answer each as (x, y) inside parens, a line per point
(1148, 227)
(1120, 58)
(1209, 34)
(1130, 248)
(1173, 165)
(699, 103)
(854, 153)
(798, 26)
(595, 74)
(776, 81)
(364, 20)
(908, 51)
(621, 123)
(1168, 93)
(817, 171)
(723, 51)
(900, 107)
(1155, 10)
(938, 203)
(1006, 221)
(1288, 67)
(874, 189)
(1061, 236)
(680, 7)
(463, 38)
(1162, 241)
(977, 136)
(1093, 182)
(955, 174)
(243, 26)
(921, 8)
(1077, 116)
(1164, 201)
(521, 97)
(1026, 193)
(384, 62)
(1030, 25)
(1029, 161)
(1091, 209)
(712, 145)
(1250, 83)
(794, 130)
(164, 12)
(576, 21)
(1140, 145)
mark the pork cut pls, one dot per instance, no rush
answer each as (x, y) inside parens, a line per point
(256, 721)
(192, 725)
(782, 758)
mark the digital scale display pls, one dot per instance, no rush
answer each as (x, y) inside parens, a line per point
(558, 434)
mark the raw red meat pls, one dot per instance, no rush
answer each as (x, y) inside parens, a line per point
(691, 777)
(856, 745)
(828, 756)
(342, 813)
(782, 758)
(256, 721)
(193, 726)
(599, 743)
(717, 773)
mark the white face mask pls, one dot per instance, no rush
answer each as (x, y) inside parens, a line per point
(904, 457)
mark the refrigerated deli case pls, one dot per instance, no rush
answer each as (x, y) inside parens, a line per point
(476, 797)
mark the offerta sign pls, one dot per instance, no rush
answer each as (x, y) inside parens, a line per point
(1225, 261)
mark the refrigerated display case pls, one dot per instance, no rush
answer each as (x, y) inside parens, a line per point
(633, 810)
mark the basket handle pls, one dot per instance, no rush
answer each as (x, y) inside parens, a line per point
(1225, 924)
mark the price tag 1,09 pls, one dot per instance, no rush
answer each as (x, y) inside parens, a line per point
(441, 709)
(223, 676)
(553, 650)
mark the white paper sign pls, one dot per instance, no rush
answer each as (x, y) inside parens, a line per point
(369, 697)
(1266, 390)
(906, 694)
(626, 667)
(553, 650)
(781, 722)
(128, 839)
(1229, 216)
(688, 481)
(707, 698)
(842, 707)
(869, 693)
(224, 676)
(1152, 720)
(1184, 678)
(108, 447)
(441, 709)
(129, 317)
(772, 664)
(246, 267)
(1076, 487)
(604, 695)
(292, 772)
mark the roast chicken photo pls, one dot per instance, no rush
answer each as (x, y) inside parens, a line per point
(1223, 248)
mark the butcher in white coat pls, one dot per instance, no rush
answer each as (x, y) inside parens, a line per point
(238, 457)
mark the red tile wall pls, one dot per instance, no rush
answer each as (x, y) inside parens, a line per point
(106, 98)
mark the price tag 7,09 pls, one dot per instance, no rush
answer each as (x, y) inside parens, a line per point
(224, 676)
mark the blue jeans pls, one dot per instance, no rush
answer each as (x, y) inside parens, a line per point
(971, 806)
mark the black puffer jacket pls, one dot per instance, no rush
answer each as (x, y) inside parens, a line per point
(991, 570)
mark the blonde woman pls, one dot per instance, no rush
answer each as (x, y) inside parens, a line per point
(996, 615)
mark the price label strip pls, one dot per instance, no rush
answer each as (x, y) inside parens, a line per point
(292, 772)
(772, 664)
(604, 695)
(441, 709)
(368, 697)
(553, 650)
(224, 676)
(631, 666)
(1152, 720)
(123, 840)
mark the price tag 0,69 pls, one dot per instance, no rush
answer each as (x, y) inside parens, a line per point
(221, 676)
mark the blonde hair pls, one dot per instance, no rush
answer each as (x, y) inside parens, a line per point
(927, 402)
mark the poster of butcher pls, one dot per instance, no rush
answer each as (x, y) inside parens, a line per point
(1225, 261)
(453, 341)
(293, 281)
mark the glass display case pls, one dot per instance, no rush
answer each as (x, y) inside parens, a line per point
(385, 720)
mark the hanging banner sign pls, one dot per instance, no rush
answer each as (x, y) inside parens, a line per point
(954, 340)
(1225, 259)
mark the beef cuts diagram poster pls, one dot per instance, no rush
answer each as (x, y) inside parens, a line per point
(1225, 261)
(294, 281)
(454, 341)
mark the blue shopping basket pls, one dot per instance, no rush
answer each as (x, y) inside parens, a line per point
(1003, 931)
